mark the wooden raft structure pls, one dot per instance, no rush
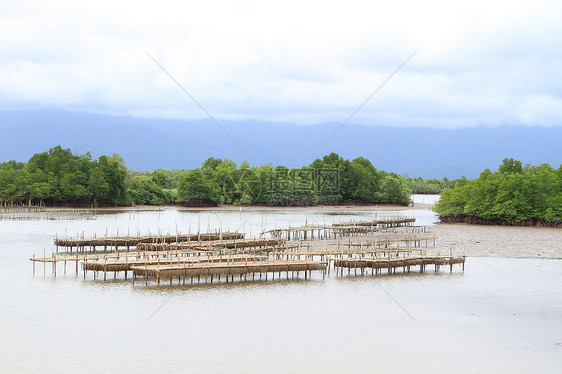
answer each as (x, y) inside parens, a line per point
(341, 229)
(133, 241)
(409, 241)
(381, 223)
(391, 263)
(341, 252)
(210, 256)
(126, 264)
(171, 254)
(229, 269)
(236, 243)
(138, 254)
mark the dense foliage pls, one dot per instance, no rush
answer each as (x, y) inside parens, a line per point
(144, 189)
(196, 189)
(330, 180)
(429, 186)
(513, 193)
(58, 177)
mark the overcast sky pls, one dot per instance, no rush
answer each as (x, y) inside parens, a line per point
(478, 63)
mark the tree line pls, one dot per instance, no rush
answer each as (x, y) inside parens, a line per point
(513, 194)
(59, 177)
(429, 186)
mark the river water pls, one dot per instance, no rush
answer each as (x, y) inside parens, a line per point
(501, 315)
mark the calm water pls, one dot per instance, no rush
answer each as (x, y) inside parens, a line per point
(500, 315)
(424, 199)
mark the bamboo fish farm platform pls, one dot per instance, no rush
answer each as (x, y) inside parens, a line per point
(228, 269)
(339, 230)
(126, 264)
(132, 241)
(210, 257)
(391, 263)
(214, 244)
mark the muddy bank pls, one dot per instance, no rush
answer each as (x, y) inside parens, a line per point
(500, 241)
(474, 240)
(499, 222)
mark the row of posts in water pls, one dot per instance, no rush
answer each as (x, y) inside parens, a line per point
(205, 266)
(187, 256)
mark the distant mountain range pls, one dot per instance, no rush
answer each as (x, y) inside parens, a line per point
(148, 144)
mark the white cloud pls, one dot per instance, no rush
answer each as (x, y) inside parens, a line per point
(479, 62)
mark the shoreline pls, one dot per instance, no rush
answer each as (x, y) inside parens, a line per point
(224, 207)
(471, 220)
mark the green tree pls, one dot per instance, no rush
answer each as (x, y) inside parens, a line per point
(98, 185)
(196, 190)
(362, 181)
(510, 194)
(394, 190)
(509, 165)
(143, 190)
(163, 178)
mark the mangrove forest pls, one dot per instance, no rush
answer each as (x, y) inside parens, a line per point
(514, 195)
(60, 178)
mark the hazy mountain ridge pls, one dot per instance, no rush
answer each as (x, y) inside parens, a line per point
(147, 144)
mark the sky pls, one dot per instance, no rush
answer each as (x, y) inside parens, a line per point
(468, 64)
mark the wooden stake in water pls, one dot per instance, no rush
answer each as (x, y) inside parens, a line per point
(199, 229)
